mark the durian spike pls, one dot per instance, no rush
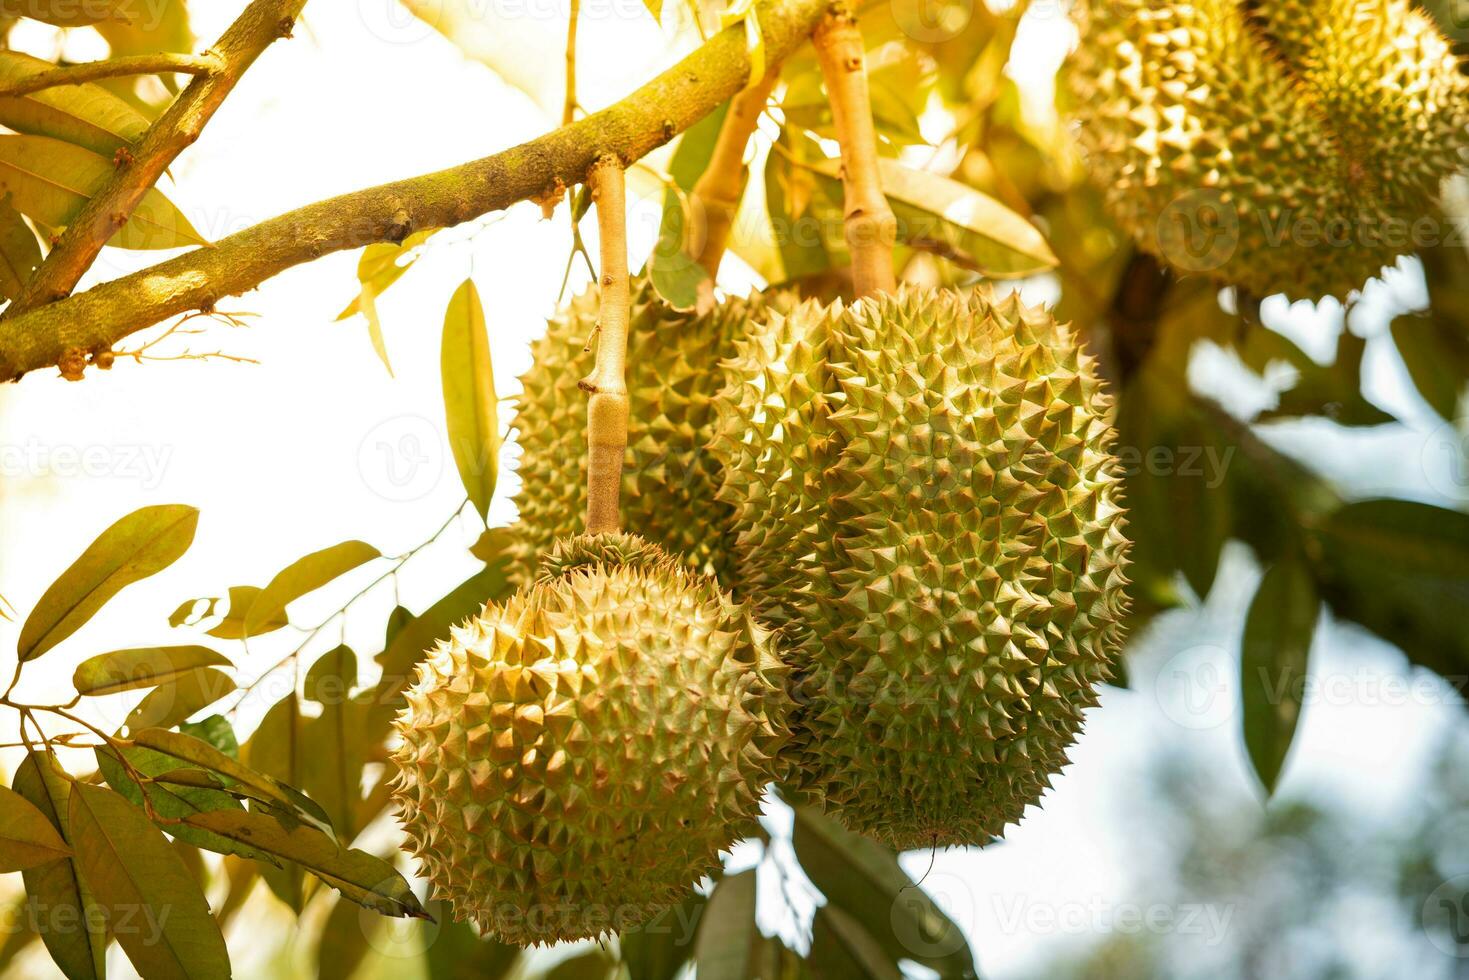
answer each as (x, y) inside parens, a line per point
(717, 193)
(869, 224)
(607, 409)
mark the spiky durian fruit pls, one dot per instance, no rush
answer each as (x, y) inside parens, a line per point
(668, 481)
(587, 551)
(929, 511)
(575, 759)
(1292, 146)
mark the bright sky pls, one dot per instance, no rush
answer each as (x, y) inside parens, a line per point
(317, 444)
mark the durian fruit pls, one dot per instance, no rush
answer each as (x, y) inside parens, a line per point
(668, 481)
(1291, 146)
(574, 759)
(929, 512)
(588, 551)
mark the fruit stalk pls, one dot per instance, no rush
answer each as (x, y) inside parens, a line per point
(871, 229)
(607, 409)
(717, 193)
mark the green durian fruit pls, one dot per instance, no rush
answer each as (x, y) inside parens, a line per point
(929, 513)
(587, 551)
(668, 481)
(575, 759)
(1294, 146)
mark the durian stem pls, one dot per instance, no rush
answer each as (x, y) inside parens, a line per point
(607, 409)
(870, 226)
(717, 193)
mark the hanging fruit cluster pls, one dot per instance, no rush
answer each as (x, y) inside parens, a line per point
(873, 551)
(1284, 147)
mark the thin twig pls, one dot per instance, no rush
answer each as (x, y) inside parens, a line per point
(398, 562)
(161, 63)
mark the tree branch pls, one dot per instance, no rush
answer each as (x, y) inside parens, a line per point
(607, 409)
(261, 23)
(163, 63)
(651, 116)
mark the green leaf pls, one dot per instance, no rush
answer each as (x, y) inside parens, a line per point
(177, 699)
(215, 730)
(1437, 359)
(20, 253)
(165, 28)
(86, 115)
(236, 606)
(127, 670)
(332, 678)
(274, 750)
(69, 13)
(1401, 569)
(153, 905)
(954, 220)
(671, 269)
(725, 946)
(71, 924)
(659, 949)
(469, 396)
(411, 645)
(342, 948)
(305, 575)
(593, 964)
(457, 953)
(381, 265)
(798, 215)
(1333, 390)
(493, 544)
(49, 181)
(27, 838)
(172, 798)
(342, 739)
(1273, 662)
(864, 880)
(842, 950)
(366, 880)
(196, 752)
(140, 544)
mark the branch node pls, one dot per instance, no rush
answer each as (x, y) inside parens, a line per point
(73, 363)
(286, 28)
(400, 227)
